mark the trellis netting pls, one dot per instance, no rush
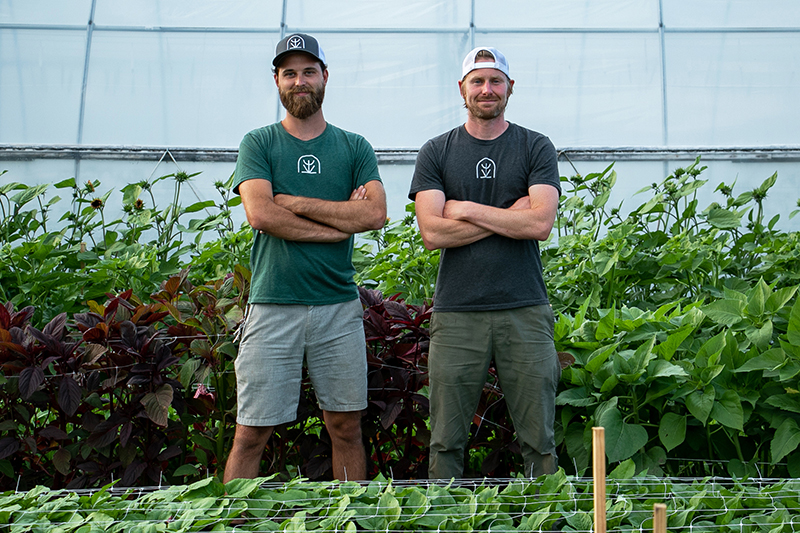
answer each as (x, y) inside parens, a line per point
(551, 503)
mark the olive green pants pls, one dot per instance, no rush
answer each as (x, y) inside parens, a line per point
(462, 346)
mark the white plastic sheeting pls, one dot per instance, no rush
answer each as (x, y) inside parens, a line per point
(196, 73)
(589, 72)
(733, 88)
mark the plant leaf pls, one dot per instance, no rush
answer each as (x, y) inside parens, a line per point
(622, 439)
(186, 376)
(786, 439)
(787, 402)
(769, 360)
(726, 312)
(156, 404)
(710, 350)
(198, 206)
(106, 431)
(605, 327)
(625, 470)
(672, 430)
(61, 460)
(661, 369)
(29, 381)
(600, 356)
(578, 397)
(760, 337)
(700, 403)
(779, 298)
(69, 395)
(758, 298)
(723, 218)
(793, 332)
(728, 410)
(8, 447)
(668, 347)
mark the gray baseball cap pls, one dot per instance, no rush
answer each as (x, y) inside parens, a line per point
(298, 42)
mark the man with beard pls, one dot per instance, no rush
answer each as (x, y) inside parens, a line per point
(486, 193)
(307, 187)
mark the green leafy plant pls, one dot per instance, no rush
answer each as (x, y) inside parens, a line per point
(652, 378)
(87, 255)
(397, 262)
(681, 321)
(556, 502)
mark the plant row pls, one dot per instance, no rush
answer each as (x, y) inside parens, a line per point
(676, 321)
(59, 265)
(555, 502)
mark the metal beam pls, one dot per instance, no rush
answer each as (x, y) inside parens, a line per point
(356, 31)
(30, 152)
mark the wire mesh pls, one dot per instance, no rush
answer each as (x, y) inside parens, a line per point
(553, 503)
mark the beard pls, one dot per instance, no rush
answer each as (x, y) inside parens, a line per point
(484, 113)
(303, 107)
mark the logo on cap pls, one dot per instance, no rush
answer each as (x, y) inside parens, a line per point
(295, 42)
(298, 42)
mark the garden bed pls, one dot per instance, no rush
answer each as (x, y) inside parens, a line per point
(556, 502)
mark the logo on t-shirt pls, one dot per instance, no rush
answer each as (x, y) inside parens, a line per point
(308, 164)
(485, 169)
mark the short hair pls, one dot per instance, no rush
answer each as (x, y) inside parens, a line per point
(484, 54)
(322, 65)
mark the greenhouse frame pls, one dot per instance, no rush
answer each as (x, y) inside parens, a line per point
(120, 91)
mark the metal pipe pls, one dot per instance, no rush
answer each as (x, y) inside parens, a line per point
(29, 152)
(286, 29)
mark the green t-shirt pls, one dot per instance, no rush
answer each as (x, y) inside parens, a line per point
(329, 167)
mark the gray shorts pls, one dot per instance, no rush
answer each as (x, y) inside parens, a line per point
(269, 366)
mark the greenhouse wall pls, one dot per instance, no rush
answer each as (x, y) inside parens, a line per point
(644, 84)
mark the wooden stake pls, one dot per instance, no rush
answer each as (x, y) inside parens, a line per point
(659, 518)
(599, 468)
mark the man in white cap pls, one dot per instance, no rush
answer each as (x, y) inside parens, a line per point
(486, 192)
(307, 187)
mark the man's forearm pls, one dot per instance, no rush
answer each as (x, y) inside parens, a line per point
(359, 213)
(529, 218)
(291, 227)
(512, 223)
(446, 233)
(437, 230)
(265, 216)
(283, 224)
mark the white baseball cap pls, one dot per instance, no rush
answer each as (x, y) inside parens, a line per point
(500, 63)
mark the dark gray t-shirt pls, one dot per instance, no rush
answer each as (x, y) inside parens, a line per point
(496, 272)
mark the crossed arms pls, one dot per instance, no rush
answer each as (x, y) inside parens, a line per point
(452, 223)
(304, 219)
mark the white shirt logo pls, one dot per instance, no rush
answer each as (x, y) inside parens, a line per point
(485, 169)
(295, 42)
(308, 164)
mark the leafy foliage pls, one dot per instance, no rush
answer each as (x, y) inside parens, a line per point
(397, 262)
(680, 323)
(683, 325)
(555, 502)
(57, 270)
(397, 348)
